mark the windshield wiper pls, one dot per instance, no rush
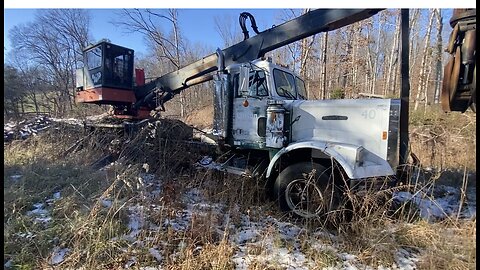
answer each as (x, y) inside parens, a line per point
(290, 95)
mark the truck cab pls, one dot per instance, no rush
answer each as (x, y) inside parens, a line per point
(254, 86)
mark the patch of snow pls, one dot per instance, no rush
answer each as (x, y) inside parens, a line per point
(247, 235)
(154, 252)
(263, 234)
(346, 256)
(38, 210)
(58, 255)
(38, 205)
(191, 196)
(152, 183)
(43, 219)
(405, 259)
(27, 235)
(131, 262)
(25, 128)
(444, 202)
(136, 219)
(56, 195)
(8, 264)
(16, 177)
(106, 203)
(180, 222)
(71, 121)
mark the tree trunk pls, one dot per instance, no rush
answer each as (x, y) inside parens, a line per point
(356, 33)
(324, 75)
(174, 19)
(427, 82)
(393, 57)
(422, 82)
(305, 52)
(374, 62)
(413, 35)
(439, 67)
(34, 99)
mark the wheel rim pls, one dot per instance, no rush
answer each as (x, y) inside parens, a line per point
(305, 198)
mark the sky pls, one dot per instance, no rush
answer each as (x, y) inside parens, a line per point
(196, 17)
(196, 24)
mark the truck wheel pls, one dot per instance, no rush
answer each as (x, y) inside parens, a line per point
(306, 190)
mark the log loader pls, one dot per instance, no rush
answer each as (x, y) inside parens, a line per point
(262, 118)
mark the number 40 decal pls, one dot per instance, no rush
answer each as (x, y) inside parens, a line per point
(369, 114)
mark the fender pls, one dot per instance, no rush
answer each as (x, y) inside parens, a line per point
(356, 161)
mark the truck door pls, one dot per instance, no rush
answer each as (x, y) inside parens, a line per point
(249, 108)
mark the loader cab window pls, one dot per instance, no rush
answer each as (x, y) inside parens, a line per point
(94, 58)
(284, 84)
(118, 67)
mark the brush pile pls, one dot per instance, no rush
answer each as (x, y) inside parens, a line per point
(25, 128)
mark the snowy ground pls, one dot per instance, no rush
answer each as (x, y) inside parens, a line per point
(441, 202)
(264, 241)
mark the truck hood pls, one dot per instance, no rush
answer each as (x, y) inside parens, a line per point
(363, 122)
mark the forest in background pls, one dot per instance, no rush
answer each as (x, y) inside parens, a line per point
(358, 60)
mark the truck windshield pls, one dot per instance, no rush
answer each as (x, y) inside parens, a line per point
(284, 84)
(302, 93)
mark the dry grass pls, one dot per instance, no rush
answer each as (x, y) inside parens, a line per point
(445, 141)
(95, 235)
(202, 118)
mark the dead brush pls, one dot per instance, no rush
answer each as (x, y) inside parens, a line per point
(378, 226)
(203, 228)
(211, 256)
(45, 170)
(444, 140)
(364, 222)
(231, 189)
(443, 245)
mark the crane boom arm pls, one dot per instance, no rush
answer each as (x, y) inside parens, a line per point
(310, 23)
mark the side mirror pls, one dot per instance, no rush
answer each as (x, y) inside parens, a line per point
(244, 81)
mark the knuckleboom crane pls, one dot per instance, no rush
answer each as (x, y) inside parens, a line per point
(107, 75)
(262, 117)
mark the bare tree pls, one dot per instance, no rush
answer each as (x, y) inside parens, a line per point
(12, 91)
(149, 22)
(324, 63)
(227, 27)
(393, 60)
(439, 66)
(415, 14)
(373, 57)
(422, 82)
(167, 45)
(54, 41)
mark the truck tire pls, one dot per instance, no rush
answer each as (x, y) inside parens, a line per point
(306, 190)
